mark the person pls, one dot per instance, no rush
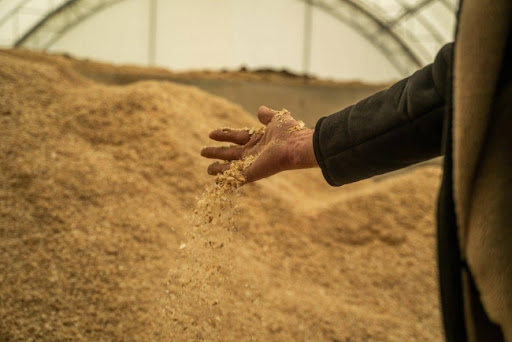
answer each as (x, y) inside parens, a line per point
(459, 107)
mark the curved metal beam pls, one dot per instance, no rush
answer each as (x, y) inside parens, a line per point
(378, 31)
(424, 21)
(41, 23)
(13, 11)
(387, 36)
(384, 26)
(408, 11)
(412, 61)
(81, 10)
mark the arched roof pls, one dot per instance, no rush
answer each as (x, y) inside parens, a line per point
(398, 28)
(403, 30)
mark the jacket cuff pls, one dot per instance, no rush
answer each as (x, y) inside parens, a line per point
(319, 155)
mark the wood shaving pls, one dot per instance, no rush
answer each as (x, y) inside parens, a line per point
(299, 127)
(251, 130)
(280, 115)
(255, 130)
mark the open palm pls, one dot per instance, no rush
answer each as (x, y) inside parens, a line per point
(283, 144)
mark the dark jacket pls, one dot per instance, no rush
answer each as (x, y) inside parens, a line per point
(390, 130)
(405, 124)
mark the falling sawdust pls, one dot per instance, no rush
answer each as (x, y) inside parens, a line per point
(216, 205)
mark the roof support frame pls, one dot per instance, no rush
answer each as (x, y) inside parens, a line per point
(379, 31)
(79, 9)
(394, 49)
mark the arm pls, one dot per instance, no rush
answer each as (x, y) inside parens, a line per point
(387, 131)
(392, 129)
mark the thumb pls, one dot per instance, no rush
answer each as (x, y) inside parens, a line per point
(265, 114)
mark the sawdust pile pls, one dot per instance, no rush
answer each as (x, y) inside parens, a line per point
(97, 187)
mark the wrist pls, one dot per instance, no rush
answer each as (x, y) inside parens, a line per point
(301, 152)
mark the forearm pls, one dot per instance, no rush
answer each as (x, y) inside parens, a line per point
(387, 131)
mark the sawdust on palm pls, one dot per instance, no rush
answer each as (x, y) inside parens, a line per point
(280, 117)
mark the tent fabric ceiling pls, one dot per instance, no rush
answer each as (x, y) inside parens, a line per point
(407, 32)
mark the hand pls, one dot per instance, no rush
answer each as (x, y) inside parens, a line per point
(284, 144)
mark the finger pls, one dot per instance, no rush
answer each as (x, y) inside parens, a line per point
(265, 114)
(237, 136)
(224, 152)
(217, 168)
